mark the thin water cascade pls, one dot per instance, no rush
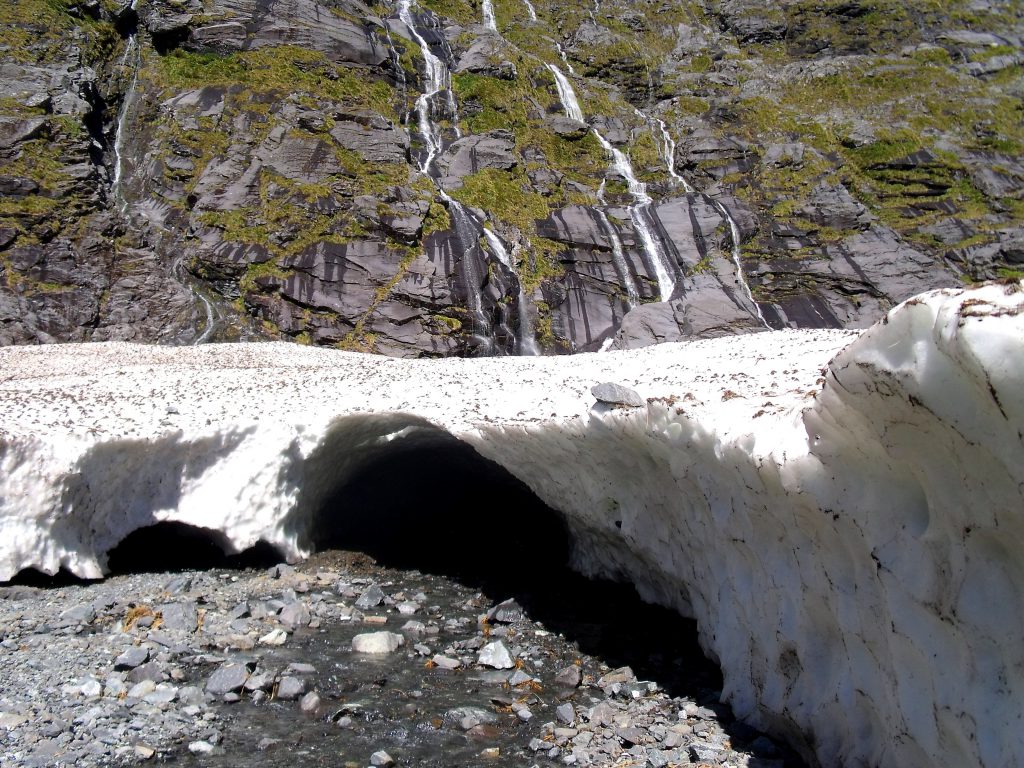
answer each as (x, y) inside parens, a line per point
(527, 342)
(619, 258)
(570, 103)
(438, 81)
(638, 212)
(565, 60)
(132, 57)
(640, 215)
(465, 224)
(134, 54)
(397, 61)
(668, 149)
(489, 20)
(466, 236)
(734, 232)
(530, 10)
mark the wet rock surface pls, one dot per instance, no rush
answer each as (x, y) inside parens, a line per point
(601, 680)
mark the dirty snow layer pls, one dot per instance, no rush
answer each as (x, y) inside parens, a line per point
(848, 529)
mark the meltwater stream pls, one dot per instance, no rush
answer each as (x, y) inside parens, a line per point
(132, 58)
(488, 12)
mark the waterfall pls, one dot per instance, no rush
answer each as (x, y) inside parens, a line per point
(531, 10)
(668, 153)
(668, 150)
(638, 212)
(734, 231)
(131, 51)
(489, 21)
(619, 257)
(396, 60)
(565, 60)
(566, 93)
(465, 224)
(642, 222)
(527, 342)
(438, 80)
(466, 229)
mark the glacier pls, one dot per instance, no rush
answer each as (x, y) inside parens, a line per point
(841, 512)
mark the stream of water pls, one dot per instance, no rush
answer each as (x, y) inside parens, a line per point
(668, 149)
(489, 20)
(639, 212)
(132, 59)
(468, 228)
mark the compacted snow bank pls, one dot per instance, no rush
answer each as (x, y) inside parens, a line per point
(842, 513)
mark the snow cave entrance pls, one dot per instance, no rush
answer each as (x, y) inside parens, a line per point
(430, 502)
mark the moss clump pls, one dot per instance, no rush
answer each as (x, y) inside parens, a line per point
(504, 194)
(459, 11)
(280, 69)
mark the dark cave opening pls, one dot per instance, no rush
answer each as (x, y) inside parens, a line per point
(435, 505)
(438, 506)
(171, 547)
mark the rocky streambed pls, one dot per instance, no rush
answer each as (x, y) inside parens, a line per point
(341, 661)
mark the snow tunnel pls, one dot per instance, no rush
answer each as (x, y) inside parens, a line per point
(423, 499)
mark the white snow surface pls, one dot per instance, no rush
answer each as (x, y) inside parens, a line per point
(842, 513)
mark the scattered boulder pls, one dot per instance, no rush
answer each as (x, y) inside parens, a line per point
(616, 394)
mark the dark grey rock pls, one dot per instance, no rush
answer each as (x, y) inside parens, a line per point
(470, 154)
(485, 57)
(372, 136)
(290, 688)
(567, 127)
(229, 677)
(506, 612)
(295, 615)
(569, 676)
(15, 131)
(180, 617)
(79, 614)
(152, 670)
(132, 658)
(700, 753)
(565, 714)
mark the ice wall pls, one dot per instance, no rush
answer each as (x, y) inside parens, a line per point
(843, 514)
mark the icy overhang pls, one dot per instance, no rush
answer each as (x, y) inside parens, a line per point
(843, 514)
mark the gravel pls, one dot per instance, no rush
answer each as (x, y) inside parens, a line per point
(233, 668)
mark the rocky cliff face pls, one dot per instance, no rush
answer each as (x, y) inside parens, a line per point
(427, 179)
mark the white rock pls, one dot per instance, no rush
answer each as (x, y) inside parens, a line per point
(274, 637)
(842, 513)
(377, 642)
(495, 655)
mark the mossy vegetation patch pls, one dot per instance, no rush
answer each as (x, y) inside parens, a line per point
(285, 69)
